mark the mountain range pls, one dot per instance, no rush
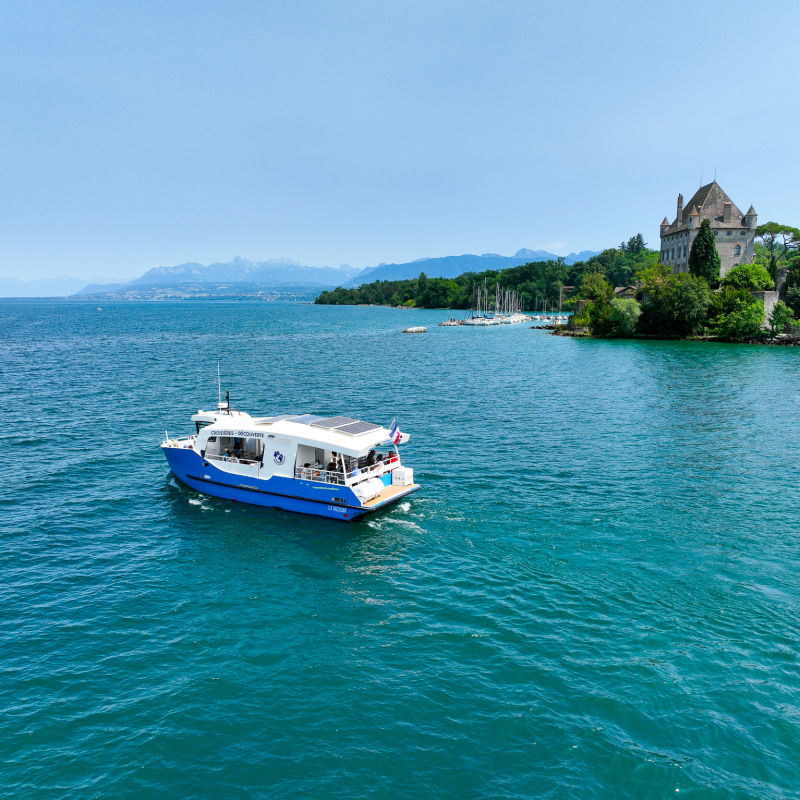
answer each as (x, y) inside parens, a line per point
(280, 274)
(60, 286)
(453, 266)
(240, 270)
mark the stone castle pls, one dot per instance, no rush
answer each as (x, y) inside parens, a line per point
(733, 231)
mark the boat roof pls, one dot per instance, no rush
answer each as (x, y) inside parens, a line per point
(342, 434)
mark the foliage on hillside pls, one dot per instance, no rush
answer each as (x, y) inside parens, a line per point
(676, 306)
(537, 283)
(752, 277)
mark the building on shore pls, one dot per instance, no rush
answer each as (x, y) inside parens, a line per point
(734, 232)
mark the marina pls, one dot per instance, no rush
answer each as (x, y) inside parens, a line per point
(505, 310)
(325, 466)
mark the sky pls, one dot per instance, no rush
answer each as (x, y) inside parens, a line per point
(146, 133)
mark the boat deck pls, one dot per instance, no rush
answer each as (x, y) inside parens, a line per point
(388, 493)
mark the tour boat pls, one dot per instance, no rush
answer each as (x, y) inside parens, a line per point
(334, 467)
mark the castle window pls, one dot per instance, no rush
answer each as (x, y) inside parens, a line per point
(737, 250)
(742, 233)
(716, 233)
(729, 233)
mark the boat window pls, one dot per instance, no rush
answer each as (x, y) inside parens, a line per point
(253, 449)
(305, 455)
(201, 425)
(237, 449)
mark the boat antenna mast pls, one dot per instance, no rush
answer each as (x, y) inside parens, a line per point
(226, 406)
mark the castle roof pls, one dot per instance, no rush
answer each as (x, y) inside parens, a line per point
(709, 203)
(693, 212)
(665, 222)
(751, 212)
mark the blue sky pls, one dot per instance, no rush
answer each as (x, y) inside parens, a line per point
(136, 134)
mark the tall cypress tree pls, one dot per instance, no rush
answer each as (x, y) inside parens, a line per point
(704, 260)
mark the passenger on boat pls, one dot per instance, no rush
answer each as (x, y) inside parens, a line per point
(371, 459)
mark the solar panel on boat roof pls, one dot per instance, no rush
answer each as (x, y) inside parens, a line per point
(332, 422)
(358, 427)
(279, 418)
(306, 419)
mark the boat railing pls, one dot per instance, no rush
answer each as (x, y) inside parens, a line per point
(320, 475)
(336, 476)
(181, 441)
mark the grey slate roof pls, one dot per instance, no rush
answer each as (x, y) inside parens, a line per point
(710, 203)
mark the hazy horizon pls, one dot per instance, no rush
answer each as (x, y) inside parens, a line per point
(141, 136)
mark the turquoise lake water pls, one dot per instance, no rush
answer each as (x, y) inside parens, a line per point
(595, 594)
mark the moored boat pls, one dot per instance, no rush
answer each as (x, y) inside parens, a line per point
(329, 466)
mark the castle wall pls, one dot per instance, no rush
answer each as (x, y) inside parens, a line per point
(727, 241)
(675, 248)
(769, 299)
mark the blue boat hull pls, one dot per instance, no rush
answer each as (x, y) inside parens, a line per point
(290, 494)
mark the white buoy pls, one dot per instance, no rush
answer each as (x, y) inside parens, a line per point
(415, 330)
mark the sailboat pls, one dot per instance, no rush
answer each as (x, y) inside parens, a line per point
(479, 314)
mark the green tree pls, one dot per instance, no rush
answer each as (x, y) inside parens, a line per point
(704, 260)
(781, 317)
(676, 306)
(793, 300)
(624, 316)
(727, 300)
(778, 239)
(743, 322)
(636, 244)
(598, 317)
(595, 287)
(653, 275)
(752, 277)
(438, 293)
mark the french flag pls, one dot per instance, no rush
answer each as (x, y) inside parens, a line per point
(394, 433)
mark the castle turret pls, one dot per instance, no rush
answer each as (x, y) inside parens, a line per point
(751, 218)
(693, 219)
(664, 226)
(680, 209)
